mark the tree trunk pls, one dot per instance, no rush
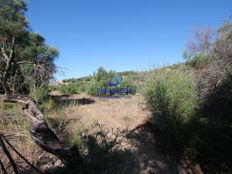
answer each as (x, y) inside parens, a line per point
(39, 130)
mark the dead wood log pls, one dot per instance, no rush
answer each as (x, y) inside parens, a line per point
(40, 131)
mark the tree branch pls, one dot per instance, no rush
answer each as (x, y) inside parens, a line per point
(12, 48)
(39, 130)
(3, 53)
(25, 62)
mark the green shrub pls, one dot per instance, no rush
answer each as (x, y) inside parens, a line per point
(129, 81)
(69, 89)
(100, 79)
(172, 100)
(197, 62)
(92, 87)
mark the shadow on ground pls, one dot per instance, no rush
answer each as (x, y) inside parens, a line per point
(122, 152)
(66, 100)
(102, 153)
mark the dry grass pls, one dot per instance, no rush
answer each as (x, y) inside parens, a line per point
(102, 131)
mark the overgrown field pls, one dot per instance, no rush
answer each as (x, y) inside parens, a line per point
(174, 119)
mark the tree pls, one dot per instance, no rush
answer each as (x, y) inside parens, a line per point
(42, 57)
(198, 49)
(219, 67)
(24, 57)
(214, 84)
(101, 74)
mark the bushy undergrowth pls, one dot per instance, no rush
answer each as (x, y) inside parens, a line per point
(99, 80)
(214, 119)
(198, 62)
(172, 99)
(195, 113)
(69, 89)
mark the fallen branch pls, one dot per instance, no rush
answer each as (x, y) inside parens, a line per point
(39, 130)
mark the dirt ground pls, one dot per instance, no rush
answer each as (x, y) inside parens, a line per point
(125, 112)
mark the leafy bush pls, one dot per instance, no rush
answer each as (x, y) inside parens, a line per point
(69, 89)
(92, 87)
(129, 81)
(172, 99)
(197, 62)
(100, 79)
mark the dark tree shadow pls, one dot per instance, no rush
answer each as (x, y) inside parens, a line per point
(102, 154)
(150, 157)
(64, 100)
(82, 101)
(213, 129)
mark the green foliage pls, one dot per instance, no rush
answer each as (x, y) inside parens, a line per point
(198, 61)
(32, 63)
(129, 81)
(172, 99)
(69, 89)
(92, 87)
(12, 18)
(193, 115)
(101, 74)
(41, 57)
(91, 84)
